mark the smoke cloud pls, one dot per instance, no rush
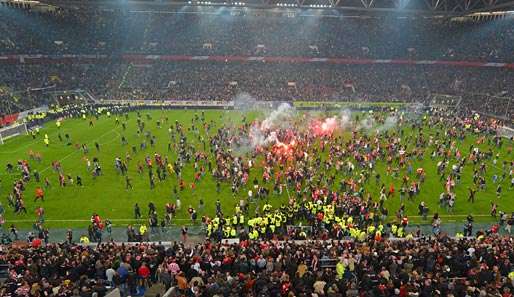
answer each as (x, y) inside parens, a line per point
(345, 119)
(245, 102)
(279, 118)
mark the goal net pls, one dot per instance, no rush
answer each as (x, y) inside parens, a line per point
(506, 132)
(12, 131)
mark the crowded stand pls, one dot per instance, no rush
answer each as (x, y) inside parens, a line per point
(104, 32)
(381, 37)
(423, 267)
(264, 81)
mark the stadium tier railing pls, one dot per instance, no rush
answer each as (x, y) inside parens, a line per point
(144, 59)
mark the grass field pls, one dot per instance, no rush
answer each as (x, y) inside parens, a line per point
(72, 206)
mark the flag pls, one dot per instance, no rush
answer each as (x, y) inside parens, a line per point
(348, 84)
(55, 78)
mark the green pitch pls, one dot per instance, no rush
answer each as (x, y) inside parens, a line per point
(72, 205)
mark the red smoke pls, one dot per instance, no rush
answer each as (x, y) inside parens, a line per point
(324, 127)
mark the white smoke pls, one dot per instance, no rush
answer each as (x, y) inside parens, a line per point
(245, 102)
(262, 134)
(256, 137)
(369, 124)
(241, 147)
(366, 123)
(271, 138)
(279, 118)
(259, 138)
(389, 123)
(345, 119)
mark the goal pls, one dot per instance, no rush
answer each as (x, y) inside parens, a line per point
(12, 131)
(506, 132)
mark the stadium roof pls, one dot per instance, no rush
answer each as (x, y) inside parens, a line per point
(449, 7)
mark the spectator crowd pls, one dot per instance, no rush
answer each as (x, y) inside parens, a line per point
(115, 32)
(216, 32)
(28, 86)
(424, 267)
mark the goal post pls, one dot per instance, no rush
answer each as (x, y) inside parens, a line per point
(12, 131)
(505, 132)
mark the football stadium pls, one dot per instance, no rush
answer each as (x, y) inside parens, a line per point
(259, 148)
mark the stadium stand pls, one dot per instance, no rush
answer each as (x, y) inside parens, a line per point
(264, 81)
(381, 37)
(104, 32)
(422, 267)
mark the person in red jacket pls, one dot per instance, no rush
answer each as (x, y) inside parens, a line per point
(391, 191)
(405, 221)
(144, 274)
(40, 194)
